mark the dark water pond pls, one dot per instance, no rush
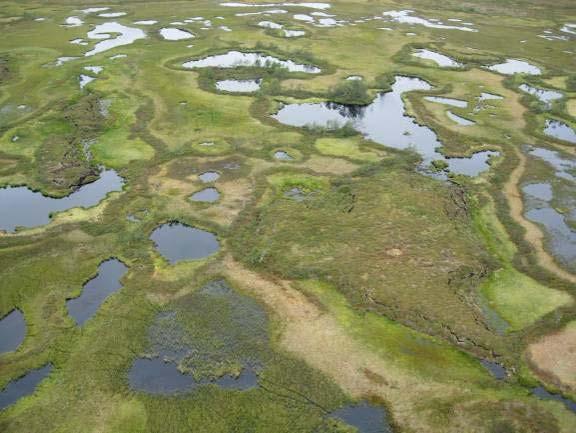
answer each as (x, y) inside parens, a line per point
(383, 121)
(540, 392)
(235, 59)
(560, 130)
(207, 195)
(157, 376)
(23, 386)
(22, 207)
(366, 418)
(209, 176)
(95, 291)
(495, 369)
(176, 242)
(12, 331)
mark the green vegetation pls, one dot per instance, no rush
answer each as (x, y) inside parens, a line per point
(353, 275)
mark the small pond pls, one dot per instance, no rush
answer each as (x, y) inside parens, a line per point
(22, 207)
(12, 331)
(235, 59)
(462, 121)
(177, 242)
(440, 59)
(560, 130)
(447, 101)
(113, 35)
(23, 386)
(542, 393)
(209, 176)
(207, 195)
(238, 86)
(495, 369)
(95, 291)
(174, 34)
(365, 417)
(546, 96)
(282, 156)
(513, 66)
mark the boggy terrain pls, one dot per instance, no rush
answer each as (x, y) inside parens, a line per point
(341, 216)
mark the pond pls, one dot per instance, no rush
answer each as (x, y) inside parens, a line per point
(447, 101)
(207, 195)
(406, 17)
(209, 176)
(559, 130)
(495, 369)
(174, 34)
(440, 59)
(513, 66)
(235, 59)
(12, 331)
(282, 156)
(97, 290)
(543, 394)
(23, 386)
(365, 417)
(22, 207)
(383, 121)
(239, 86)
(546, 96)
(462, 121)
(114, 35)
(177, 242)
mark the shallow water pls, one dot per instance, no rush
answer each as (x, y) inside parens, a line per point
(447, 101)
(405, 17)
(565, 167)
(234, 59)
(365, 417)
(97, 290)
(495, 369)
(209, 176)
(207, 195)
(462, 121)
(489, 96)
(12, 331)
(562, 238)
(157, 376)
(240, 86)
(85, 79)
(174, 34)
(177, 242)
(540, 191)
(114, 35)
(546, 96)
(559, 130)
(26, 208)
(384, 122)
(540, 392)
(23, 386)
(440, 59)
(513, 66)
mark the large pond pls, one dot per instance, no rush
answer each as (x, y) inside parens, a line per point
(12, 331)
(95, 291)
(384, 121)
(22, 207)
(236, 59)
(213, 337)
(23, 386)
(177, 242)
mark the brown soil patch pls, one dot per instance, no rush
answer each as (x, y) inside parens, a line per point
(553, 357)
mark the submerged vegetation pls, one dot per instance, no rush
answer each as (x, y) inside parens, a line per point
(261, 229)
